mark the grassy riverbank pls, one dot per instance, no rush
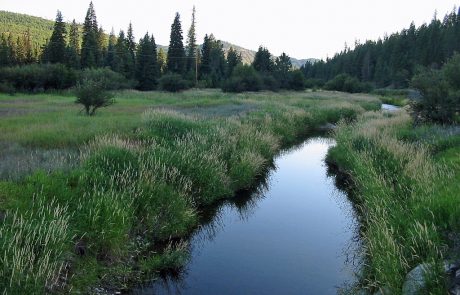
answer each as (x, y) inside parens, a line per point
(406, 183)
(85, 202)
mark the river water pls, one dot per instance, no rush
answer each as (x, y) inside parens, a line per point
(296, 234)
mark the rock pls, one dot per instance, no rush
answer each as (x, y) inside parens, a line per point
(327, 127)
(455, 290)
(415, 279)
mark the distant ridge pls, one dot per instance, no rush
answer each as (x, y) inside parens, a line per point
(41, 30)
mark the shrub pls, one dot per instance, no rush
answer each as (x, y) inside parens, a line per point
(440, 93)
(244, 78)
(270, 83)
(6, 87)
(314, 83)
(109, 79)
(38, 77)
(347, 83)
(173, 83)
(93, 95)
(296, 80)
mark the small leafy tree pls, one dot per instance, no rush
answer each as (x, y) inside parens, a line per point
(440, 91)
(93, 95)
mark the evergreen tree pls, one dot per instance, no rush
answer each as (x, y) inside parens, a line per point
(11, 45)
(205, 67)
(5, 58)
(147, 71)
(131, 48)
(73, 48)
(111, 51)
(162, 61)
(19, 53)
(233, 59)
(282, 69)
(191, 45)
(213, 62)
(90, 51)
(30, 56)
(102, 47)
(56, 52)
(263, 62)
(176, 52)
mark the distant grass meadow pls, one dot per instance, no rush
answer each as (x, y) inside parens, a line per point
(86, 201)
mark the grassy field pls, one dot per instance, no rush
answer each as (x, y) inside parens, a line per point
(406, 182)
(88, 201)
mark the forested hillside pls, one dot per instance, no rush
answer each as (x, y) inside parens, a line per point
(393, 60)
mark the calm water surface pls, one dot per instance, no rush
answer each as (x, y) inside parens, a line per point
(295, 235)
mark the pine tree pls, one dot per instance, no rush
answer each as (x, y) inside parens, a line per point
(213, 63)
(102, 47)
(205, 67)
(191, 45)
(263, 62)
(282, 68)
(28, 48)
(111, 51)
(11, 45)
(5, 59)
(73, 48)
(131, 48)
(56, 52)
(146, 65)
(176, 51)
(233, 59)
(162, 61)
(20, 53)
(90, 51)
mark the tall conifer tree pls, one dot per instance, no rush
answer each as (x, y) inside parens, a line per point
(90, 51)
(57, 44)
(176, 51)
(191, 45)
(73, 48)
(146, 66)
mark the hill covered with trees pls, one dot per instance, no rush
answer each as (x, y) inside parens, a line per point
(393, 60)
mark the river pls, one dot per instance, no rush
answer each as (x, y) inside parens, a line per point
(295, 234)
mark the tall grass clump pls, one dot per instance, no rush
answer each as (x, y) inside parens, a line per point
(34, 248)
(395, 185)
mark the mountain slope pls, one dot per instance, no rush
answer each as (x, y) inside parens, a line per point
(41, 30)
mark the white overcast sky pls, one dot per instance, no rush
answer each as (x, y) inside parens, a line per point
(301, 28)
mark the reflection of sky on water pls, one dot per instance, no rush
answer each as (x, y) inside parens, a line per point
(296, 235)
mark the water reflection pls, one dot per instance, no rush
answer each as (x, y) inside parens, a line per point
(295, 233)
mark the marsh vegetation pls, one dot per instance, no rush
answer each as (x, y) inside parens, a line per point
(143, 171)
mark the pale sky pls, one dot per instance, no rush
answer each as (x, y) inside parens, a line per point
(301, 28)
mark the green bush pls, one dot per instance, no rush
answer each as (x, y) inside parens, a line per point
(173, 83)
(347, 83)
(244, 78)
(38, 77)
(109, 79)
(7, 87)
(93, 95)
(440, 101)
(296, 80)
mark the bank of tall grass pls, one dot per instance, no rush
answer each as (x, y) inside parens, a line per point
(405, 182)
(105, 220)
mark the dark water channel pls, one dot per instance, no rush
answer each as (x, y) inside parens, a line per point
(296, 234)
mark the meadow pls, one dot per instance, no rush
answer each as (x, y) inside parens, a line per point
(89, 202)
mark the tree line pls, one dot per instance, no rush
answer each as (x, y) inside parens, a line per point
(394, 60)
(149, 67)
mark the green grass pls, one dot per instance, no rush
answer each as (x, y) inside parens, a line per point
(145, 167)
(406, 181)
